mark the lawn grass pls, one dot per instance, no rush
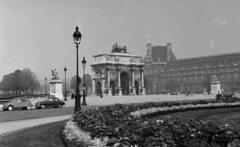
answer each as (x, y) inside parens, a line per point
(48, 135)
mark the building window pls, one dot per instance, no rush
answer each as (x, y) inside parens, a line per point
(184, 79)
(190, 78)
(196, 78)
(236, 75)
(222, 76)
(229, 76)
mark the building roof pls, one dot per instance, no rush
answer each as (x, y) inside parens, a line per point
(201, 57)
(118, 54)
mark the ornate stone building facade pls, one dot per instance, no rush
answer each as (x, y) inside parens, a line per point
(190, 72)
(118, 73)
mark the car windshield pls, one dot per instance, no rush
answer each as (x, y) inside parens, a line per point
(12, 100)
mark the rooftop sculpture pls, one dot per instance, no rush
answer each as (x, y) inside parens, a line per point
(55, 75)
(118, 49)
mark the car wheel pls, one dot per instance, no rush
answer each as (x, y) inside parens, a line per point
(59, 106)
(28, 108)
(10, 108)
(43, 106)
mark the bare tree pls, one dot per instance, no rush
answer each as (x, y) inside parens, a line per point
(16, 81)
(25, 79)
(6, 83)
(34, 84)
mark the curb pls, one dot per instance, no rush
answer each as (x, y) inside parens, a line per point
(22, 129)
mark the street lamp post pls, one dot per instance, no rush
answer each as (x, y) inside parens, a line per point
(101, 95)
(208, 85)
(45, 85)
(77, 38)
(84, 62)
(65, 99)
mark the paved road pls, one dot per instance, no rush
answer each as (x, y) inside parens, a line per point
(106, 100)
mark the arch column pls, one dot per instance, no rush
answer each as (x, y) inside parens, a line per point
(108, 82)
(93, 87)
(119, 82)
(142, 81)
(133, 84)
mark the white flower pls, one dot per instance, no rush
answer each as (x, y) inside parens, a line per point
(226, 125)
(159, 121)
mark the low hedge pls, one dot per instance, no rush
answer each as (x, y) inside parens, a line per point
(116, 127)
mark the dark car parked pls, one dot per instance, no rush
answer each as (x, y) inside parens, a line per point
(50, 102)
(227, 95)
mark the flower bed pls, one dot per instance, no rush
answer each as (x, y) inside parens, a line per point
(116, 126)
(152, 111)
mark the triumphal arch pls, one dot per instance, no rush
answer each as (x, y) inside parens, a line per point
(118, 73)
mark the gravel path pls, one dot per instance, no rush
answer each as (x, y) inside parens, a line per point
(16, 125)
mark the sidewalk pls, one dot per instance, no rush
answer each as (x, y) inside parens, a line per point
(20, 124)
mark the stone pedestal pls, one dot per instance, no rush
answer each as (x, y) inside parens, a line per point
(119, 91)
(134, 91)
(56, 89)
(143, 91)
(215, 87)
(110, 91)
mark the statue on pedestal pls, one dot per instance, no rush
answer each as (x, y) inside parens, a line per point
(55, 75)
(214, 78)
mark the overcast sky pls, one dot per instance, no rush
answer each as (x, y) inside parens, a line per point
(37, 34)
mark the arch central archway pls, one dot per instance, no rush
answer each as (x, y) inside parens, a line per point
(125, 83)
(137, 87)
(112, 85)
(99, 86)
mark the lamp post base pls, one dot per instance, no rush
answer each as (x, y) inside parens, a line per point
(77, 103)
(65, 99)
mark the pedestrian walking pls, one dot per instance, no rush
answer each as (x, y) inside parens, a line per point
(72, 95)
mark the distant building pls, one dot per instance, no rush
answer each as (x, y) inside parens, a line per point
(161, 65)
(118, 73)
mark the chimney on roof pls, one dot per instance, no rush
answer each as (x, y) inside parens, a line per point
(149, 46)
(169, 45)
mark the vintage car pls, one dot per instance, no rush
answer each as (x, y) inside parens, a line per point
(50, 102)
(226, 96)
(17, 103)
(237, 95)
